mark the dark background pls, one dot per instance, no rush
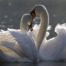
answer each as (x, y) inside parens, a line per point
(11, 12)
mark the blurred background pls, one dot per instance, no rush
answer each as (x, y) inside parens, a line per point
(11, 12)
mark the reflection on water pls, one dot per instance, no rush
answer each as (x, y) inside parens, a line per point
(35, 64)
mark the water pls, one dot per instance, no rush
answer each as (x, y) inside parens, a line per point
(35, 64)
(11, 12)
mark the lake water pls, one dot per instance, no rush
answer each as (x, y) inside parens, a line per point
(35, 64)
(11, 12)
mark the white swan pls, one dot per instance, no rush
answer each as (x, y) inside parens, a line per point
(52, 49)
(16, 45)
(24, 23)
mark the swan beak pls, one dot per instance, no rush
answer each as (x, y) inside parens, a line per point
(30, 27)
(32, 13)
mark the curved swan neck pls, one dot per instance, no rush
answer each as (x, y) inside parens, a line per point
(25, 20)
(44, 16)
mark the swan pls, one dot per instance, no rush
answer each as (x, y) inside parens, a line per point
(24, 24)
(17, 45)
(52, 49)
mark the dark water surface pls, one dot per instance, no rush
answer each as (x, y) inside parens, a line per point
(11, 12)
(35, 64)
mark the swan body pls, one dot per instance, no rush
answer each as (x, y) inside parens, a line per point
(17, 45)
(54, 48)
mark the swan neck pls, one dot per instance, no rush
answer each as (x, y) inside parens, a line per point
(44, 17)
(25, 20)
(23, 25)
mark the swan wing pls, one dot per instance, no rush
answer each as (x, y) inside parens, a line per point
(4, 57)
(26, 43)
(13, 47)
(23, 45)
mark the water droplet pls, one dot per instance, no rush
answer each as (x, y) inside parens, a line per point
(6, 16)
(62, 20)
(3, 22)
(9, 3)
(54, 15)
(3, 26)
(11, 26)
(10, 20)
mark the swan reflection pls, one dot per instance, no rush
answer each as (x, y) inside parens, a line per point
(35, 64)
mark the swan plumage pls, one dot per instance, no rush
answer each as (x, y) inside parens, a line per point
(17, 45)
(52, 49)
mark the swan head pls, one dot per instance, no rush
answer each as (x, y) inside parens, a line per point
(26, 22)
(37, 10)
